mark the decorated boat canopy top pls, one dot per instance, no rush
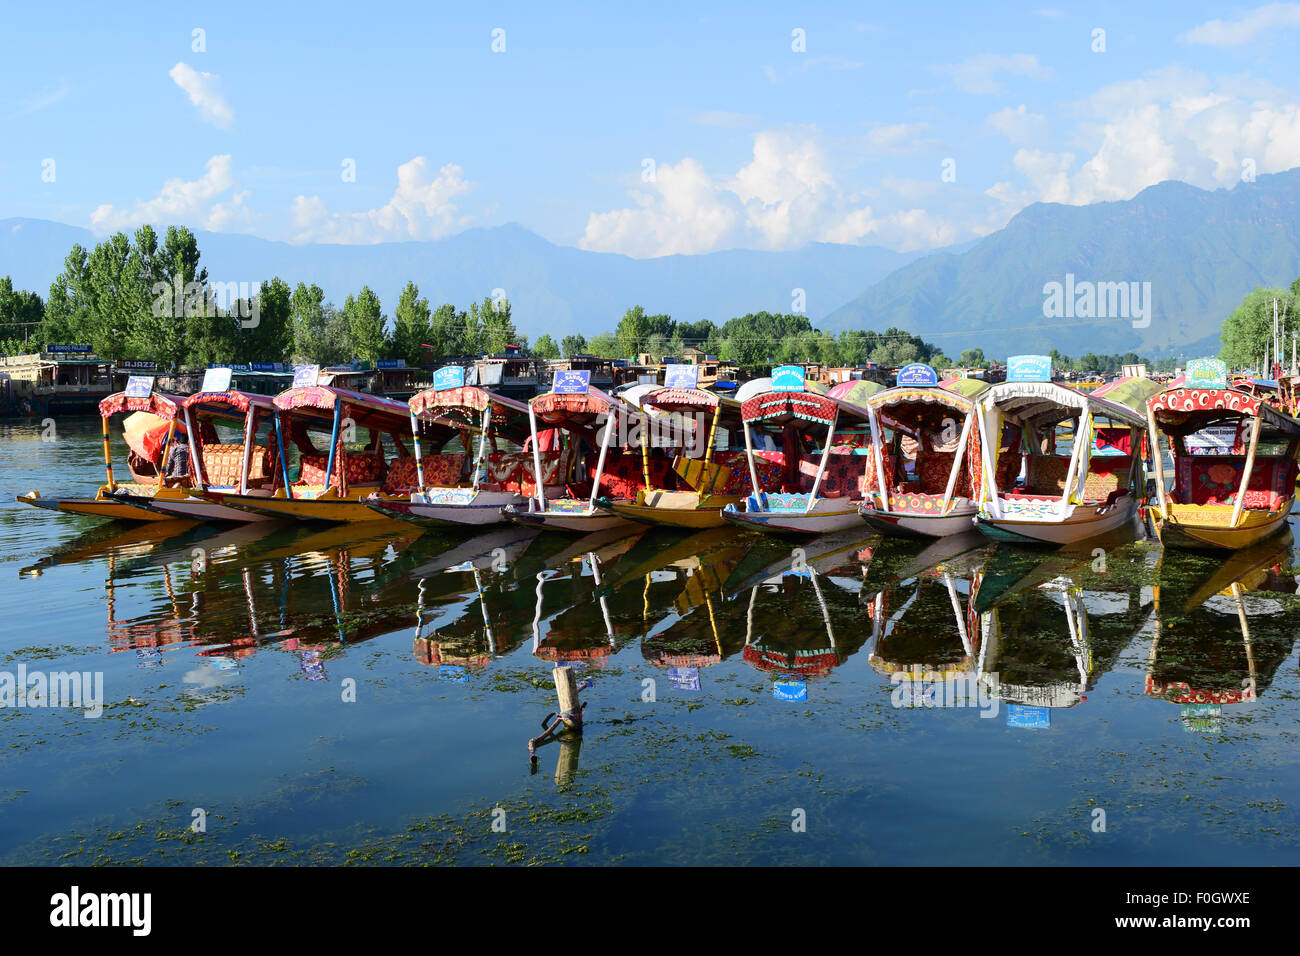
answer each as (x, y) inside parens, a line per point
(228, 404)
(670, 399)
(576, 409)
(1043, 403)
(320, 401)
(1184, 410)
(436, 401)
(157, 403)
(900, 395)
(855, 391)
(1134, 392)
(800, 409)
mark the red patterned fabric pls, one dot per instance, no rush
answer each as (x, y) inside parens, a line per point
(513, 471)
(164, 406)
(933, 469)
(1046, 474)
(360, 469)
(438, 473)
(624, 474)
(222, 464)
(1205, 480)
(842, 478)
(1204, 399)
(782, 405)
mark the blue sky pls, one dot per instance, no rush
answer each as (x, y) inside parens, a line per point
(647, 130)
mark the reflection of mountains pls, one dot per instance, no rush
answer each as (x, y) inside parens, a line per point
(1222, 630)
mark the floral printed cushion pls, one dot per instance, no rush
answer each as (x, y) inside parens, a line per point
(933, 469)
(842, 477)
(360, 469)
(1215, 480)
(403, 478)
(223, 464)
(1046, 474)
(1008, 470)
(1106, 474)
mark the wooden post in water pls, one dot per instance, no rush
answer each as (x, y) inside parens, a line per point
(566, 691)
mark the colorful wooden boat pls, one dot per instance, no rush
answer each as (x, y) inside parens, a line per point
(332, 485)
(1234, 463)
(938, 422)
(586, 427)
(454, 488)
(213, 465)
(1032, 494)
(802, 489)
(705, 480)
(149, 438)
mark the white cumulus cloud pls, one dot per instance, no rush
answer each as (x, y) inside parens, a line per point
(204, 91)
(1247, 28)
(180, 201)
(421, 207)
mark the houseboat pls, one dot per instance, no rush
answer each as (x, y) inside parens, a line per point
(932, 427)
(67, 379)
(1042, 482)
(1234, 462)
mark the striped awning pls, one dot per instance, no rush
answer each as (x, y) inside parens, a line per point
(164, 406)
(783, 407)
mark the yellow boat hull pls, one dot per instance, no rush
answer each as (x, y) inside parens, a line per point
(327, 507)
(103, 505)
(1201, 527)
(675, 509)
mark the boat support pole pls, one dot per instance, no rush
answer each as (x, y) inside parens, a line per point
(1245, 472)
(108, 456)
(250, 430)
(956, 466)
(821, 465)
(540, 490)
(284, 462)
(167, 453)
(419, 463)
(878, 439)
(196, 463)
(480, 462)
(334, 448)
(749, 457)
(987, 454)
(600, 462)
(1159, 460)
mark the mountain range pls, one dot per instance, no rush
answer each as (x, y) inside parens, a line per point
(1186, 255)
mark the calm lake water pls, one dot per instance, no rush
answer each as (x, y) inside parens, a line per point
(366, 694)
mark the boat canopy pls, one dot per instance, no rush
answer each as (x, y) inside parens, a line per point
(1185, 410)
(799, 409)
(156, 403)
(1045, 403)
(856, 391)
(435, 402)
(686, 400)
(369, 411)
(230, 404)
(904, 405)
(576, 410)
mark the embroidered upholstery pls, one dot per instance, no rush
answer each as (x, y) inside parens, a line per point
(843, 475)
(222, 464)
(1214, 480)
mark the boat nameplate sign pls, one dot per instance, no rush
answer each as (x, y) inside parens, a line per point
(1029, 368)
(571, 382)
(449, 376)
(139, 386)
(918, 374)
(305, 376)
(788, 378)
(681, 376)
(216, 380)
(1207, 373)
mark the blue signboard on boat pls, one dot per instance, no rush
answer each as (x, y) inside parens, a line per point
(305, 376)
(1206, 373)
(917, 374)
(572, 382)
(681, 376)
(449, 376)
(139, 386)
(1029, 368)
(1025, 717)
(787, 689)
(788, 378)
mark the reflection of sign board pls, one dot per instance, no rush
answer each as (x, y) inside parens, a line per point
(794, 690)
(571, 382)
(1029, 368)
(216, 380)
(681, 376)
(788, 378)
(1206, 373)
(1133, 371)
(453, 672)
(449, 376)
(917, 374)
(390, 363)
(1033, 718)
(1202, 718)
(684, 678)
(139, 386)
(304, 376)
(1215, 440)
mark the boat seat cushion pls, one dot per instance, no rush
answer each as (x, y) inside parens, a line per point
(1008, 470)
(222, 464)
(842, 477)
(403, 478)
(1214, 480)
(360, 469)
(933, 469)
(1046, 474)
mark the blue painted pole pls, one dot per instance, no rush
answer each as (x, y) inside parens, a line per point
(334, 444)
(284, 461)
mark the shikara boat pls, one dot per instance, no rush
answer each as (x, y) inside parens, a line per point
(1031, 493)
(1220, 498)
(712, 479)
(332, 485)
(584, 432)
(149, 432)
(938, 423)
(455, 487)
(814, 483)
(213, 465)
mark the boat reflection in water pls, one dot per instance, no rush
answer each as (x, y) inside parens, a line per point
(1045, 638)
(1221, 629)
